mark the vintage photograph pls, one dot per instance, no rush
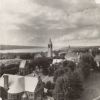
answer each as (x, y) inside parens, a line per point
(49, 49)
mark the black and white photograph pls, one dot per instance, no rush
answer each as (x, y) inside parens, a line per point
(49, 49)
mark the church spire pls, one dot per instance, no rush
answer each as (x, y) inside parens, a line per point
(68, 45)
(50, 48)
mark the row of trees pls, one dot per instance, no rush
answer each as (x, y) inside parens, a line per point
(43, 64)
(68, 85)
(9, 69)
(69, 77)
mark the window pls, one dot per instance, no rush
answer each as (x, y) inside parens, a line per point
(12, 96)
(31, 94)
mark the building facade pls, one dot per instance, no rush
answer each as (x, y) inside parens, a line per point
(15, 87)
(24, 68)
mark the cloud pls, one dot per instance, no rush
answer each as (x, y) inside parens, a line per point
(86, 36)
(33, 22)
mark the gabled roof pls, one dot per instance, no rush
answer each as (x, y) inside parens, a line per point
(18, 84)
(30, 83)
(22, 64)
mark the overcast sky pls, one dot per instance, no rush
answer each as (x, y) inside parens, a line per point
(33, 22)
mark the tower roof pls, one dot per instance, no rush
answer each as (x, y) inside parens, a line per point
(50, 42)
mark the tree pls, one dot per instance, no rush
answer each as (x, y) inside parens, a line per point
(68, 87)
(42, 63)
(50, 87)
(85, 68)
(69, 64)
(59, 72)
(68, 81)
(51, 70)
(61, 88)
(76, 87)
(89, 59)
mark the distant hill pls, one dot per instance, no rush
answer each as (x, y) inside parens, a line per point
(9, 47)
(79, 47)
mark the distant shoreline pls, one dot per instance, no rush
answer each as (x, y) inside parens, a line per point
(11, 47)
(31, 50)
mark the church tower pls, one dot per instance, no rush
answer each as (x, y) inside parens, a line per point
(50, 47)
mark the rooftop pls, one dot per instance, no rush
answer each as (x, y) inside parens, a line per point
(18, 84)
(22, 64)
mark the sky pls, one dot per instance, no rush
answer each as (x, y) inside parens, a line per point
(66, 22)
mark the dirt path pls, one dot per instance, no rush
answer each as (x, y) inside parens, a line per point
(92, 87)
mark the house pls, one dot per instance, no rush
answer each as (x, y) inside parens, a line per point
(15, 87)
(24, 68)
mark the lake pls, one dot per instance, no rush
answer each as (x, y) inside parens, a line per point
(32, 50)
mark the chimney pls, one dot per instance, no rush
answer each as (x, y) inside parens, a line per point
(6, 85)
(39, 79)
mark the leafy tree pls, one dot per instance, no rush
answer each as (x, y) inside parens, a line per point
(67, 67)
(51, 70)
(61, 88)
(42, 63)
(76, 87)
(69, 64)
(68, 87)
(50, 87)
(89, 59)
(59, 72)
(85, 67)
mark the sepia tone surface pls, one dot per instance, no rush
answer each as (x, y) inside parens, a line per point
(49, 49)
